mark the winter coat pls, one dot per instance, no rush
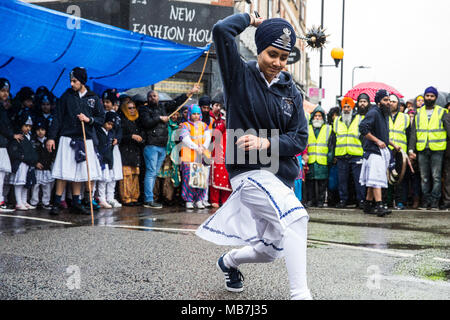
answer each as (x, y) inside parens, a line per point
(6, 128)
(131, 150)
(105, 147)
(66, 123)
(274, 112)
(44, 157)
(22, 151)
(377, 124)
(155, 130)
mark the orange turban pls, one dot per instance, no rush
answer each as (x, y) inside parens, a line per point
(348, 101)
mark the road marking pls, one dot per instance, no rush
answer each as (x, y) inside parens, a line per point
(33, 218)
(388, 252)
(150, 228)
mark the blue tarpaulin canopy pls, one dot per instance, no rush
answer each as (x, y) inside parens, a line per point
(39, 46)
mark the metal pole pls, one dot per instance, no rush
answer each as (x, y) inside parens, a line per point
(342, 44)
(353, 73)
(321, 51)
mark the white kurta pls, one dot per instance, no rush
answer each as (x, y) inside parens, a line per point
(257, 213)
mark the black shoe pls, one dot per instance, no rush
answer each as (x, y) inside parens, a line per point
(310, 204)
(341, 205)
(153, 205)
(320, 205)
(361, 205)
(55, 210)
(368, 207)
(234, 280)
(424, 205)
(434, 205)
(80, 209)
(380, 211)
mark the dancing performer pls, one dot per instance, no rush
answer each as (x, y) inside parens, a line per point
(265, 118)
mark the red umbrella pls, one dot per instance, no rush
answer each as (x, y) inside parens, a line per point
(370, 88)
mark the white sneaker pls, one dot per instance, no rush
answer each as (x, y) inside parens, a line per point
(189, 205)
(4, 208)
(115, 204)
(21, 207)
(206, 204)
(199, 204)
(104, 205)
(29, 206)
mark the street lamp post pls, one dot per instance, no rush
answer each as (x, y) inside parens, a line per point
(353, 72)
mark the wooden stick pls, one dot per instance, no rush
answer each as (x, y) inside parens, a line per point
(89, 175)
(198, 82)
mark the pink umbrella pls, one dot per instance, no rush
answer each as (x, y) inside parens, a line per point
(370, 88)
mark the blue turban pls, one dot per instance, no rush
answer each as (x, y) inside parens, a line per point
(380, 95)
(275, 32)
(432, 90)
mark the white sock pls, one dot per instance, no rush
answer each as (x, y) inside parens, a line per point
(295, 259)
(18, 193)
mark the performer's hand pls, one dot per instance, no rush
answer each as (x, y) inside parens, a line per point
(254, 21)
(381, 144)
(39, 166)
(50, 145)
(195, 89)
(164, 119)
(18, 137)
(114, 142)
(84, 118)
(412, 156)
(251, 142)
(397, 148)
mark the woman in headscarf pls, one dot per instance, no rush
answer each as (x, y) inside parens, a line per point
(130, 149)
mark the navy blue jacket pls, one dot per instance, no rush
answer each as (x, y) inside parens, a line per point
(66, 123)
(104, 146)
(6, 128)
(377, 124)
(251, 104)
(23, 151)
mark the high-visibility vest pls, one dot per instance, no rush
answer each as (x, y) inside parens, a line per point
(198, 137)
(318, 147)
(347, 139)
(431, 131)
(397, 130)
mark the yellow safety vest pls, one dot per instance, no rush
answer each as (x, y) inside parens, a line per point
(397, 130)
(347, 139)
(431, 131)
(318, 147)
(198, 137)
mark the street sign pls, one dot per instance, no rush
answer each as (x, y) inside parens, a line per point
(294, 56)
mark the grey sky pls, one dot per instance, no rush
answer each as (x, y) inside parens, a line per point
(405, 42)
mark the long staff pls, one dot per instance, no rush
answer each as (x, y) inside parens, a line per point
(89, 175)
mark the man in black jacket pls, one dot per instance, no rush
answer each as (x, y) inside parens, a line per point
(153, 119)
(375, 129)
(78, 104)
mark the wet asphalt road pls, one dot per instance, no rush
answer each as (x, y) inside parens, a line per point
(139, 253)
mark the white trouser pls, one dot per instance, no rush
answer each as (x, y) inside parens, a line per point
(21, 194)
(295, 258)
(46, 194)
(106, 190)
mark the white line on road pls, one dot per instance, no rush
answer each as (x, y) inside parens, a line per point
(388, 252)
(150, 228)
(442, 259)
(33, 218)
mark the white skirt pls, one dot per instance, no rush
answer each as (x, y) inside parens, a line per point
(5, 163)
(20, 177)
(66, 168)
(257, 213)
(117, 166)
(374, 170)
(44, 177)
